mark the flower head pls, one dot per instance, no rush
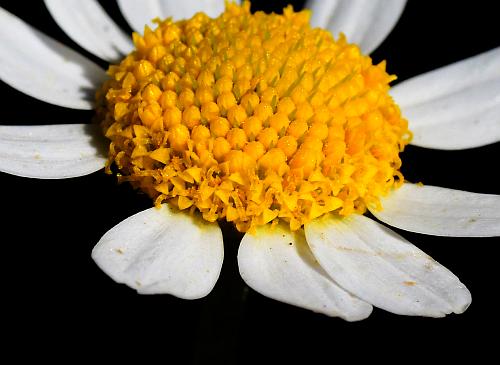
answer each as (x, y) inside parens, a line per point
(253, 119)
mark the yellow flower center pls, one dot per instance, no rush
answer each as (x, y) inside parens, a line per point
(253, 118)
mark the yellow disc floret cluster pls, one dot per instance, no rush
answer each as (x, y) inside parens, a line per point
(252, 118)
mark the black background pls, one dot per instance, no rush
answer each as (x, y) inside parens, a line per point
(55, 298)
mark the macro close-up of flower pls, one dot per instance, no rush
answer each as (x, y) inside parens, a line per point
(305, 160)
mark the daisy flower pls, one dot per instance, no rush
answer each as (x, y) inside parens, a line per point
(263, 121)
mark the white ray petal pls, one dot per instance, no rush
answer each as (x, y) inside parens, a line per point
(43, 68)
(441, 212)
(278, 264)
(163, 251)
(321, 11)
(448, 79)
(364, 22)
(456, 106)
(384, 269)
(187, 8)
(138, 14)
(87, 24)
(51, 151)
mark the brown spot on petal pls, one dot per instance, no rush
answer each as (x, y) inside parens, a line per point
(392, 255)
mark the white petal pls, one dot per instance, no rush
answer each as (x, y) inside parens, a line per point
(456, 106)
(384, 269)
(163, 251)
(43, 68)
(87, 24)
(364, 22)
(51, 151)
(278, 264)
(140, 13)
(441, 212)
(321, 11)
